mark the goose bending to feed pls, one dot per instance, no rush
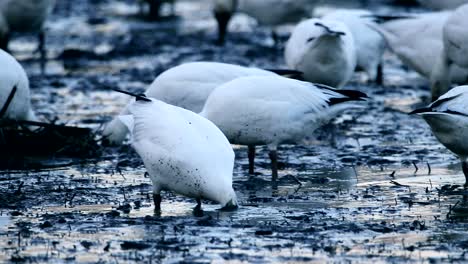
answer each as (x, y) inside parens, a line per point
(323, 50)
(273, 110)
(267, 12)
(370, 45)
(418, 43)
(454, 51)
(188, 86)
(440, 5)
(182, 152)
(26, 16)
(13, 77)
(448, 119)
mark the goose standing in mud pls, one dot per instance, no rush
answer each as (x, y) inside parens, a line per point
(15, 98)
(188, 86)
(370, 45)
(418, 43)
(182, 152)
(323, 50)
(273, 110)
(448, 119)
(454, 51)
(26, 16)
(267, 12)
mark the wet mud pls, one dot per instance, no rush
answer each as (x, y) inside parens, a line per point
(374, 185)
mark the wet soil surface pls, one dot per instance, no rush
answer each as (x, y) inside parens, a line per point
(373, 186)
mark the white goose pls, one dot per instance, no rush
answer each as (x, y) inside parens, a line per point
(454, 51)
(187, 86)
(323, 50)
(182, 152)
(370, 45)
(13, 75)
(26, 16)
(448, 118)
(272, 110)
(266, 12)
(418, 43)
(440, 5)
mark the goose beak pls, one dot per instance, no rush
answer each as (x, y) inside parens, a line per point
(329, 31)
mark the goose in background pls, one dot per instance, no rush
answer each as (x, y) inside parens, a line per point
(442, 4)
(182, 152)
(454, 51)
(267, 12)
(370, 45)
(188, 86)
(448, 119)
(418, 43)
(26, 16)
(155, 7)
(273, 110)
(323, 50)
(15, 98)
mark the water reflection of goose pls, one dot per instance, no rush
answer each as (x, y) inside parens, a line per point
(13, 76)
(323, 50)
(454, 52)
(266, 12)
(272, 110)
(370, 45)
(448, 119)
(26, 16)
(182, 152)
(187, 86)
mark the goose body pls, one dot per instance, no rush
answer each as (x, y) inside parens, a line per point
(13, 75)
(418, 43)
(187, 86)
(370, 45)
(266, 12)
(448, 119)
(454, 51)
(323, 50)
(182, 152)
(272, 110)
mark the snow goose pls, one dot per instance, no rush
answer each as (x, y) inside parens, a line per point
(323, 50)
(26, 16)
(454, 51)
(187, 86)
(266, 12)
(14, 84)
(417, 41)
(370, 45)
(271, 110)
(448, 119)
(182, 152)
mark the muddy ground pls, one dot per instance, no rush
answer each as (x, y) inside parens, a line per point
(373, 186)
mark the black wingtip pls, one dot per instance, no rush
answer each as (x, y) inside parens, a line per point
(292, 74)
(386, 18)
(329, 30)
(139, 97)
(420, 111)
(351, 94)
(8, 101)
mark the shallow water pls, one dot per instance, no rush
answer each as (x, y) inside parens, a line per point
(350, 193)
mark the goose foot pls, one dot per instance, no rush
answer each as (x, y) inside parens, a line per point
(157, 202)
(197, 211)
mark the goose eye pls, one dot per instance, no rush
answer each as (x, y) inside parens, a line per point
(310, 39)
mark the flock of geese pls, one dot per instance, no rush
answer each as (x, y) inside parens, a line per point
(183, 126)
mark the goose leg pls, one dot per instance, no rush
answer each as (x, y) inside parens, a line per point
(379, 79)
(157, 202)
(4, 42)
(274, 164)
(465, 171)
(197, 211)
(155, 6)
(42, 51)
(251, 160)
(223, 19)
